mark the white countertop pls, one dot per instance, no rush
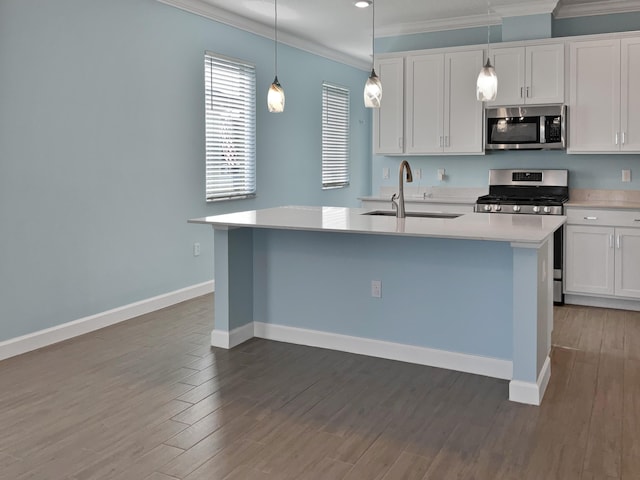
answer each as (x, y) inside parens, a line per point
(612, 204)
(471, 226)
(614, 199)
(417, 199)
(425, 194)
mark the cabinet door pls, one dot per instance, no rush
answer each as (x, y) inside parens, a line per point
(462, 111)
(627, 279)
(630, 95)
(425, 104)
(589, 260)
(544, 71)
(509, 65)
(388, 126)
(594, 105)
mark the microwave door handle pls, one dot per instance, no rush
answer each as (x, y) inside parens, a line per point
(543, 135)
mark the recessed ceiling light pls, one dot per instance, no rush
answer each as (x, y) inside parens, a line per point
(363, 3)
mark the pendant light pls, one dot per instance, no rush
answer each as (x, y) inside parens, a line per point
(487, 84)
(275, 97)
(373, 87)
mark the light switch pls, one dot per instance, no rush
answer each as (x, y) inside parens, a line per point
(441, 174)
(385, 173)
(626, 175)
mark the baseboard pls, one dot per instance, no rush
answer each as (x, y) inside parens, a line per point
(233, 338)
(49, 336)
(602, 302)
(490, 367)
(529, 392)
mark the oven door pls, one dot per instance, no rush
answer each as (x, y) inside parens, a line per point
(504, 133)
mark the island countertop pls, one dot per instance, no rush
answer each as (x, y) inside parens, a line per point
(470, 226)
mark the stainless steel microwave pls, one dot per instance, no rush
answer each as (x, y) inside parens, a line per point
(533, 127)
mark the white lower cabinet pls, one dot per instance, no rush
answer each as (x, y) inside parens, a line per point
(589, 260)
(601, 259)
(627, 268)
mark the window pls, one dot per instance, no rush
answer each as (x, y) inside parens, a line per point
(335, 136)
(230, 126)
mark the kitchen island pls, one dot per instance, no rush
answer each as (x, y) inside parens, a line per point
(472, 293)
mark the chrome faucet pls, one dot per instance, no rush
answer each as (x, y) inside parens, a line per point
(400, 212)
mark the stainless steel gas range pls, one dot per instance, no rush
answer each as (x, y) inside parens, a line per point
(530, 192)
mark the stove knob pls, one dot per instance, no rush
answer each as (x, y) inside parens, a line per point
(487, 208)
(536, 209)
(516, 208)
(547, 209)
(498, 208)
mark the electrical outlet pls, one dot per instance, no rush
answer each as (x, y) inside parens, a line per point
(385, 173)
(626, 175)
(376, 288)
(417, 173)
(441, 174)
(196, 249)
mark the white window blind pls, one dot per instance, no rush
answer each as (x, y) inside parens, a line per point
(230, 114)
(335, 136)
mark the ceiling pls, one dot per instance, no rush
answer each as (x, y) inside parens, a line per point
(338, 30)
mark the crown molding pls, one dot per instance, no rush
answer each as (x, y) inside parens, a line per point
(603, 7)
(470, 21)
(203, 9)
(530, 8)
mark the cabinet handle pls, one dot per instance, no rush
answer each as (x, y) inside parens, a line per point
(616, 138)
(636, 220)
(618, 242)
(590, 218)
(521, 92)
(611, 241)
(446, 141)
(528, 96)
(623, 139)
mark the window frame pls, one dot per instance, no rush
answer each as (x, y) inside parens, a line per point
(336, 142)
(230, 161)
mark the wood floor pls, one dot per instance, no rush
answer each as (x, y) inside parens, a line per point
(150, 399)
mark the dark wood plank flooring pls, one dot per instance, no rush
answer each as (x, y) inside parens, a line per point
(150, 399)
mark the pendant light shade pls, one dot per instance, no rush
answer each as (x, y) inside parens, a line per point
(487, 84)
(275, 96)
(372, 91)
(373, 87)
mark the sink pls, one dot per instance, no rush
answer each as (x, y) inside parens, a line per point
(391, 213)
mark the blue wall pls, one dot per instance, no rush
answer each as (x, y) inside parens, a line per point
(422, 280)
(102, 151)
(586, 171)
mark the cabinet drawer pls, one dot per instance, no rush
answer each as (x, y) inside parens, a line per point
(613, 218)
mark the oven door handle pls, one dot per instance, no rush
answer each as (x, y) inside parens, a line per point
(590, 218)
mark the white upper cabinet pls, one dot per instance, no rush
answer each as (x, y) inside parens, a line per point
(604, 105)
(424, 113)
(388, 128)
(529, 75)
(594, 99)
(442, 114)
(630, 95)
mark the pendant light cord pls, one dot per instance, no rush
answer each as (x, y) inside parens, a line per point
(373, 34)
(275, 3)
(488, 29)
